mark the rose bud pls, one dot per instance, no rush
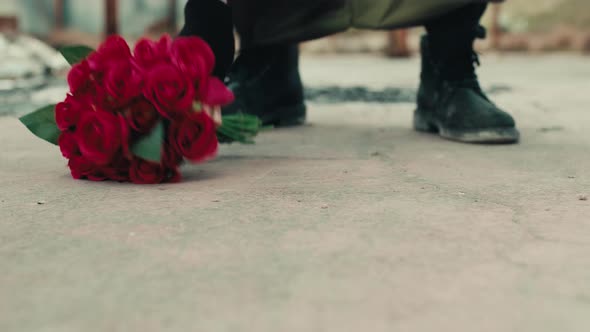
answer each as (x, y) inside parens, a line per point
(68, 145)
(81, 167)
(68, 112)
(195, 137)
(145, 172)
(122, 84)
(169, 90)
(142, 116)
(99, 136)
(194, 57)
(214, 92)
(148, 53)
(80, 78)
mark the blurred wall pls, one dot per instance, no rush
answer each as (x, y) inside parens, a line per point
(136, 15)
(545, 15)
(35, 16)
(84, 15)
(8, 7)
(38, 17)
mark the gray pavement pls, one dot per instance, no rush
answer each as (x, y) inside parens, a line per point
(352, 223)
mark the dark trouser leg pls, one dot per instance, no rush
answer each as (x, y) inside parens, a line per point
(212, 20)
(458, 20)
(265, 78)
(450, 100)
(451, 37)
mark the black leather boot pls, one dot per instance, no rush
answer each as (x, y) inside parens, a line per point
(450, 99)
(266, 83)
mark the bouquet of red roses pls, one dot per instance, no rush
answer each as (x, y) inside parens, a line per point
(137, 115)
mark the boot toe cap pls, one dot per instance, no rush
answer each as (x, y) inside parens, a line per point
(469, 110)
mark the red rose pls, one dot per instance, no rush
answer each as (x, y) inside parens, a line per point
(99, 136)
(142, 116)
(81, 167)
(145, 172)
(98, 66)
(125, 132)
(113, 49)
(148, 53)
(97, 175)
(80, 78)
(213, 92)
(68, 112)
(118, 169)
(114, 46)
(171, 157)
(169, 91)
(194, 137)
(68, 145)
(194, 57)
(122, 84)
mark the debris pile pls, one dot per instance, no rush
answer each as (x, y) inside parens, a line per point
(29, 74)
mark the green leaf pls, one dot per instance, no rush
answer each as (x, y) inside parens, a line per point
(75, 54)
(241, 128)
(228, 136)
(42, 124)
(150, 147)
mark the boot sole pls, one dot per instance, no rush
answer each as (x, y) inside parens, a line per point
(500, 135)
(286, 116)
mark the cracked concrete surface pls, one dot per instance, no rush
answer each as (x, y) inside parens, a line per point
(352, 223)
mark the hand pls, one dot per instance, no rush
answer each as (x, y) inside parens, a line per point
(215, 113)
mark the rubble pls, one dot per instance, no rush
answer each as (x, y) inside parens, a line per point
(29, 73)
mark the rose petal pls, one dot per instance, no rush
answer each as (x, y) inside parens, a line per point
(214, 92)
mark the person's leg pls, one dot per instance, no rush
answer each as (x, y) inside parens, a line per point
(212, 20)
(265, 78)
(267, 83)
(450, 100)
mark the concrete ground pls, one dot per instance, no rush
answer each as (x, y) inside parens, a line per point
(352, 223)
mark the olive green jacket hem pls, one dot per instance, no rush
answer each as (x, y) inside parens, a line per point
(282, 21)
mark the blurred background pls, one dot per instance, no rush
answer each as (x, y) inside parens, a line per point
(30, 30)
